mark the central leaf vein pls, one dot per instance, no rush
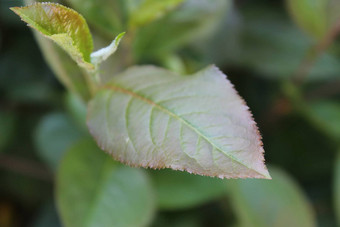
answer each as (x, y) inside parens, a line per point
(133, 94)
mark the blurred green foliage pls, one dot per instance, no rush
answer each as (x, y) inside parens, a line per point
(94, 190)
(282, 56)
(271, 203)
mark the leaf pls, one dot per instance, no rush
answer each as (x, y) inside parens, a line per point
(149, 10)
(181, 190)
(151, 117)
(77, 109)
(54, 135)
(317, 17)
(310, 15)
(326, 116)
(191, 21)
(337, 188)
(102, 54)
(279, 202)
(64, 26)
(66, 70)
(93, 190)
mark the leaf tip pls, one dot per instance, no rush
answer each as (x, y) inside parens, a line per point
(266, 175)
(101, 55)
(16, 10)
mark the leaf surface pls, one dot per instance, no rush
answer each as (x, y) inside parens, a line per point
(315, 16)
(102, 54)
(93, 190)
(151, 117)
(55, 133)
(325, 115)
(64, 68)
(64, 26)
(275, 203)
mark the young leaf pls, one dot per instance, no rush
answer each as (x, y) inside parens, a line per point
(275, 203)
(64, 26)
(64, 68)
(151, 117)
(102, 54)
(93, 190)
(181, 190)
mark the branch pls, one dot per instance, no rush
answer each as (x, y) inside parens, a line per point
(25, 167)
(313, 54)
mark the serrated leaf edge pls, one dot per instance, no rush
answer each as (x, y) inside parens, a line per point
(259, 175)
(37, 27)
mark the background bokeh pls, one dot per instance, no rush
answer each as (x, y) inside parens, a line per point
(285, 68)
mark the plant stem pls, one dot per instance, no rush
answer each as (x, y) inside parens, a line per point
(25, 167)
(291, 87)
(313, 54)
(91, 83)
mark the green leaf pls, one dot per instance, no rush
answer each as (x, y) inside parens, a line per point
(279, 202)
(315, 16)
(256, 44)
(93, 190)
(326, 116)
(311, 15)
(64, 26)
(151, 117)
(337, 188)
(54, 135)
(181, 190)
(77, 109)
(149, 10)
(66, 70)
(191, 21)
